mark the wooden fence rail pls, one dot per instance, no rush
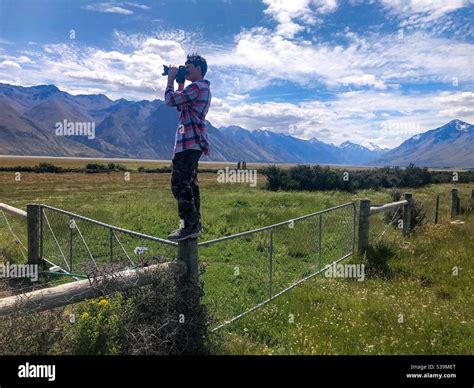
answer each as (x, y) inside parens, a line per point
(366, 210)
(185, 269)
(13, 211)
(69, 293)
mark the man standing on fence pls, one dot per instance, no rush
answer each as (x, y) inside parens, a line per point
(191, 141)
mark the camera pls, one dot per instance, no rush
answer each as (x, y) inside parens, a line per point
(180, 77)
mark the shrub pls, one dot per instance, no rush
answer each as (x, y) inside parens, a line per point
(115, 167)
(303, 177)
(96, 167)
(418, 213)
(274, 177)
(99, 326)
(47, 167)
(25, 333)
(377, 258)
(154, 319)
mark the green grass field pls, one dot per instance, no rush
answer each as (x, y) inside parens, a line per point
(328, 316)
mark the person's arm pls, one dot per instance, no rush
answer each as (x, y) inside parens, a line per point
(172, 72)
(181, 98)
(180, 88)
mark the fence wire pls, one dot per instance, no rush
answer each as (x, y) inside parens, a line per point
(80, 245)
(13, 238)
(247, 270)
(385, 224)
(433, 213)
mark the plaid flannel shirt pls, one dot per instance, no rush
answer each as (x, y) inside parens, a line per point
(193, 102)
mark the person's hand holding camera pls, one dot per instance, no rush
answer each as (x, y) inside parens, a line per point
(172, 72)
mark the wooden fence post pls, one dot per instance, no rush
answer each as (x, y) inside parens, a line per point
(188, 253)
(407, 213)
(33, 215)
(454, 202)
(472, 200)
(192, 316)
(437, 209)
(364, 222)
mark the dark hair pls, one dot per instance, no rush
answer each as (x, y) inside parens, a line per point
(197, 60)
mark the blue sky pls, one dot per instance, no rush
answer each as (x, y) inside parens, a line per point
(375, 71)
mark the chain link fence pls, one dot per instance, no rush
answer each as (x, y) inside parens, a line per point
(244, 271)
(79, 245)
(13, 238)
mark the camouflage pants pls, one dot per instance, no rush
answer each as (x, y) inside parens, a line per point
(185, 186)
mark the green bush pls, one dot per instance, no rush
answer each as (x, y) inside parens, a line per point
(418, 213)
(120, 167)
(377, 258)
(47, 167)
(311, 178)
(96, 166)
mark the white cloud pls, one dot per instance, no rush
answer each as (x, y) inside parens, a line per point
(363, 80)
(420, 12)
(457, 104)
(363, 75)
(379, 117)
(371, 66)
(141, 6)
(378, 61)
(9, 65)
(436, 8)
(107, 8)
(288, 12)
(20, 59)
(132, 74)
(85, 90)
(237, 97)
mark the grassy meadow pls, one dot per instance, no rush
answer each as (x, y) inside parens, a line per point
(419, 308)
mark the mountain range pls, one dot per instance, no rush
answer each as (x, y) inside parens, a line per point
(451, 145)
(146, 130)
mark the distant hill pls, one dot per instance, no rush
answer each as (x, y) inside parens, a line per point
(21, 136)
(451, 145)
(146, 129)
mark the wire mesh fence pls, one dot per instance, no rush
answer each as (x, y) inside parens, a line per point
(13, 238)
(242, 271)
(426, 208)
(385, 224)
(79, 245)
(246, 270)
(435, 207)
